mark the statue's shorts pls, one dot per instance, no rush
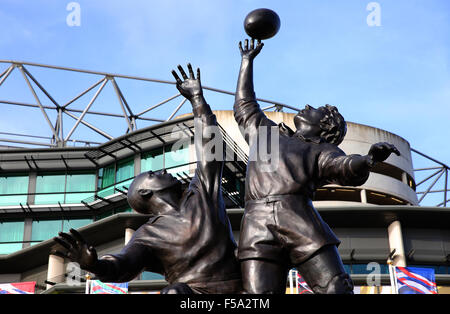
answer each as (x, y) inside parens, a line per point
(283, 228)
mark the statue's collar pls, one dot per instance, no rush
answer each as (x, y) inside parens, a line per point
(286, 130)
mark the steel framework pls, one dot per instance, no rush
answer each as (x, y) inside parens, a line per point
(129, 116)
(438, 170)
(57, 137)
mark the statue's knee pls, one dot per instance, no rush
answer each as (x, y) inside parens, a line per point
(177, 288)
(339, 284)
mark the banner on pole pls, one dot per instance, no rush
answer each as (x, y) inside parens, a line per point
(415, 280)
(98, 287)
(18, 288)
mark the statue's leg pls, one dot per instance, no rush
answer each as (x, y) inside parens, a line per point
(177, 288)
(263, 276)
(324, 272)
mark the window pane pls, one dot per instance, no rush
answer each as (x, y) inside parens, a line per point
(124, 184)
(79, 183)
(106, 176)
(50, 184)
(125, 170)
(11, 232)
(49, 198)
(73, 198)
(45, 229)
(175, 158)
(152, 160)
(146, 275)
(13, 185)
(106, 192)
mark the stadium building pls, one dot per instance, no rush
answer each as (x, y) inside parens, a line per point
(53, 183)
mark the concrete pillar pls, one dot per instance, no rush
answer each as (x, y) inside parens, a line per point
(55, 272)
(137, 164)
(27, 233)
(363, 196)
(128, 234)
(396, 242)
(32, 176)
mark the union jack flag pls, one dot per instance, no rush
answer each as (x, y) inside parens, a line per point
(414, 280)
(303, 287)
(98, 287)
(18, 288)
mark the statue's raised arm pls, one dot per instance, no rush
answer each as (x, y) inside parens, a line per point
(247, 112)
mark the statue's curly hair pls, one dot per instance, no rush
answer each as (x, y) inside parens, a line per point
(333, 126)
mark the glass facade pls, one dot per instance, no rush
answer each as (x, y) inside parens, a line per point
(146, 275)
(79, 187)
(174, 160)
(364, 268)
(177, 161)
(13, 189)
(45, 229)
(116, 175)
(11, 232)
(124, 173)
(153, 160)
(113, 212)
(50, 189)
(64, 188)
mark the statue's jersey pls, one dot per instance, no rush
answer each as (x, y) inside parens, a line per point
(283, 172)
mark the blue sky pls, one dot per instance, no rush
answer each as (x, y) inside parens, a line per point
(395, 76)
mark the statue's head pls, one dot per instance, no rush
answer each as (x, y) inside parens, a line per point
(151, 192)
(325, 123)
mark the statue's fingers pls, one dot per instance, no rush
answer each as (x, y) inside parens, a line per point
(259, 46)
(68, 238)
(177, 78)
(252, 44)
(198, 74)
(191, 72)
(246, 44)
(63, 243)
(77, 236)
(183, 74)
(240, 47)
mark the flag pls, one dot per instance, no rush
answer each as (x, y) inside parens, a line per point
(414, 280)
(18, 288)
(303, 287)
(98, 287)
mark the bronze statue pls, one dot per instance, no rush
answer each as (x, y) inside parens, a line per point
(189, 237)
(281, 228)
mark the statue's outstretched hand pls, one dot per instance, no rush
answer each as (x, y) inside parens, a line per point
(252, 51)
(77, 249)
(191, 86)
(381, 151)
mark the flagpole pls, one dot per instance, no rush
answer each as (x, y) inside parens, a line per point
(88, 284)
(394, 288)
(291, 284)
